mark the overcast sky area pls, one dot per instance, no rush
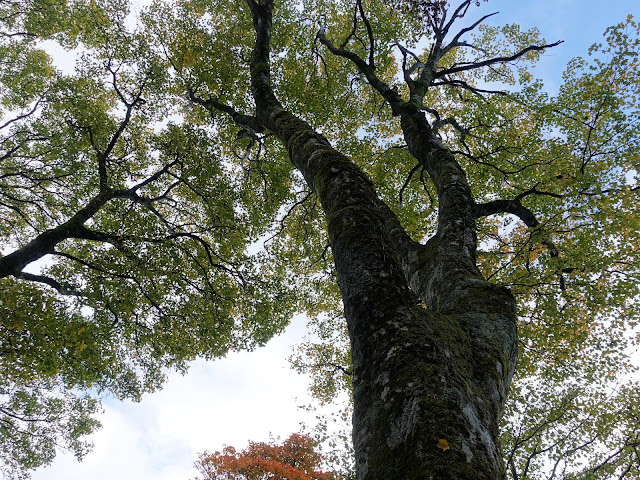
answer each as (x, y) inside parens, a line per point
(250, 395)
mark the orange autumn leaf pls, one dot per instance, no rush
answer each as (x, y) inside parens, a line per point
(443, 444)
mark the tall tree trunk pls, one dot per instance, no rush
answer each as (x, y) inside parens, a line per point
(433, 343)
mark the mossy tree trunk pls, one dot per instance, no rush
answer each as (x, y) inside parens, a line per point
(433, 343)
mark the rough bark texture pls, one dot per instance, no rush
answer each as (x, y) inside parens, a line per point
(433, 343)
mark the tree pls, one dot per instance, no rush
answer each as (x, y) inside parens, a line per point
(453, 205)
(295, 459)
(141, 272)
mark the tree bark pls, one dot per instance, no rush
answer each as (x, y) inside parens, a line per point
(433, 344)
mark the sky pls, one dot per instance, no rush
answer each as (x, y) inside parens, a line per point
(252, 395)
(246, 396)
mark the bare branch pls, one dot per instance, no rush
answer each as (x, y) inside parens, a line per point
(455, 42)
(22, 116)
(334, 366)
(406, 183)
(393, 98)
(248, 122)
(62, 288)
(466, 86)
(288, 214)
(492, 61)
(369, 34)
(460, 11)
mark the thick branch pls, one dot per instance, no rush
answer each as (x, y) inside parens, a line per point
(513, 207)
(516, 208)
(63, 289)
(248, 122)
(44, 243)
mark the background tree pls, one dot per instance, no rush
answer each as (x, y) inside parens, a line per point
(444, 194)
(140, 273)
(294, 459)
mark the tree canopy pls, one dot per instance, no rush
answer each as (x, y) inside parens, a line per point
(209, 168)
(294, 459)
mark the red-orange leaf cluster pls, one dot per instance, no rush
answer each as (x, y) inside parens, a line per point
(294, 459)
